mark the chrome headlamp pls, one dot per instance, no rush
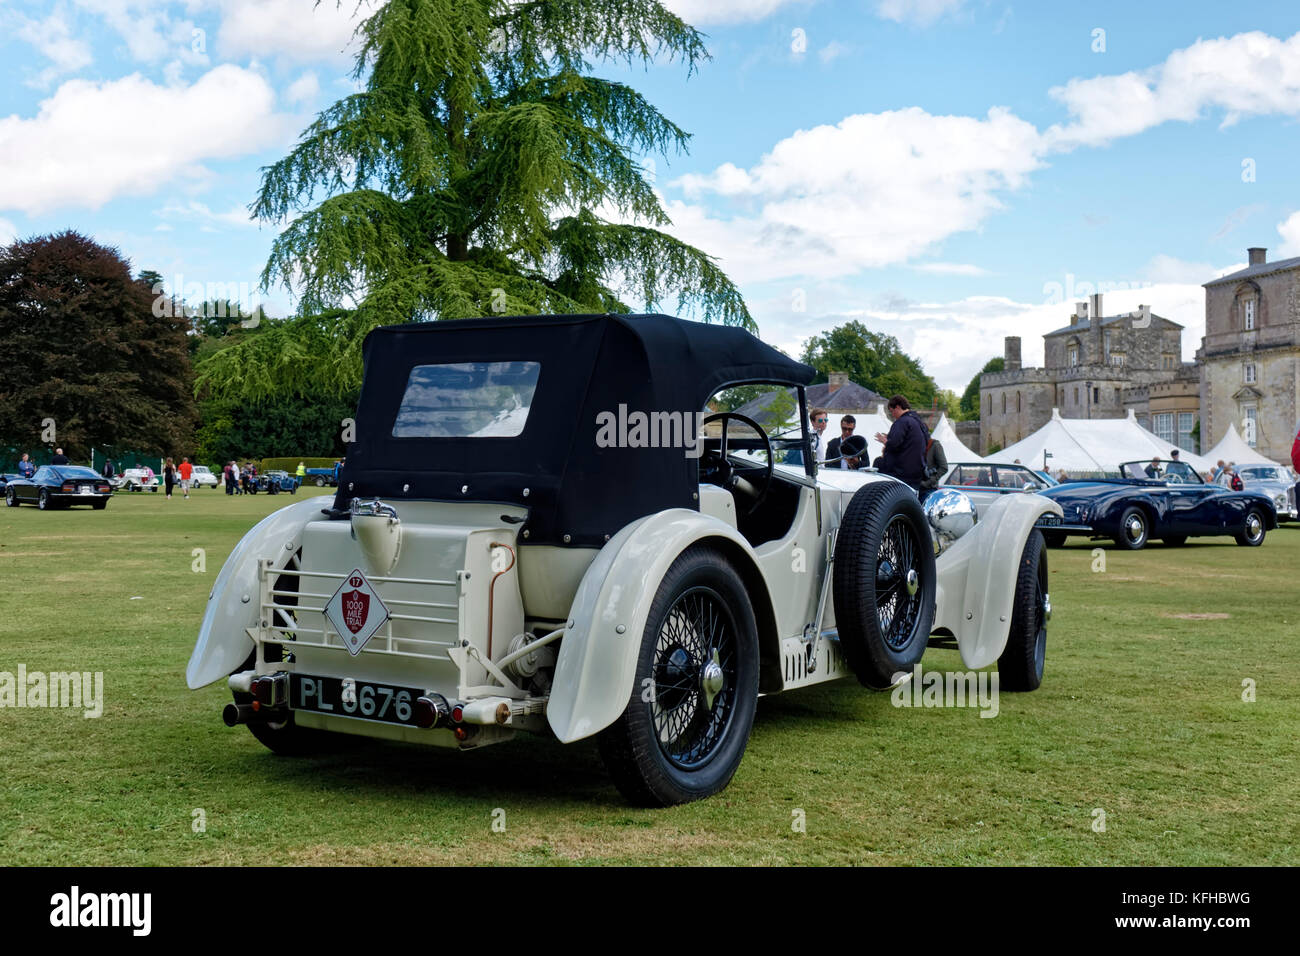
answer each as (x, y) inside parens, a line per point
(951, 514)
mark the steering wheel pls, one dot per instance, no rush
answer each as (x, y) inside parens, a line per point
(715, 469)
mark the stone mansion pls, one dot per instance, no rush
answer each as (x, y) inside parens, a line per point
(1246, 373)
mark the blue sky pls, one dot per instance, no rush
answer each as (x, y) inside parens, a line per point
(943, 170)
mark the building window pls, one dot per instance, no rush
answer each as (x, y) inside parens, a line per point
(1164, 426)
(1118, 396)
(1186, 422)
(1249, 423)
(1072, 355)
(1076, 394)
(1117, 358)
(1017, 405)
(1250, 314)
(1168, 361)
(1105, 336)
(1096, 395)
(1249, 372)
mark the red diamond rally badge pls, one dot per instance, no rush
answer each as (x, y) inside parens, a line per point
(356, 611)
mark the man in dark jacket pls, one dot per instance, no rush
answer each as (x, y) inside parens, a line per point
(904, 454)
(847, 424)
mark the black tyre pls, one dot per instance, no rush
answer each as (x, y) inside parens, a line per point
(99, 505)
(1252, 529)
(43, 501)
(1175, 540)
(1054, 539)
(320, 481)
(684, 730)
(1021, 665)
(287, 739)
(11, 499)
(884, 582)
(1133, 529)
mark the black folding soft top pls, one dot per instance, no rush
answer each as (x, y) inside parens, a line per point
(578, 492)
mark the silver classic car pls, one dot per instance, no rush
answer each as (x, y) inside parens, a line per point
(1274, 481)
(985, 482)
(538, 530)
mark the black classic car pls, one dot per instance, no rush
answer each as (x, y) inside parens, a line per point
(1169, 501)
(59, 486)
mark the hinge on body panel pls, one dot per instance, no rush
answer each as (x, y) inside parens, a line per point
(812, 632)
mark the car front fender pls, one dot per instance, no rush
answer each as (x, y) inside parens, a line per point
(977, 576)
(596, 667)
(233, 604)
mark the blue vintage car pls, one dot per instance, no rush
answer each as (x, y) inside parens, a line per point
(1169, 501)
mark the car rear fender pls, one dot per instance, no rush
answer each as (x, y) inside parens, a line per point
(233, 604)
(596, 667)
(977, 576)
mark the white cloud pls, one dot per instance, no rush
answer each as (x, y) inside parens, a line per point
(951, 268)
(194, 211)
(1249, 74)
(53, 38)
(8, 232)
(923, 12)
(832, 51)
(1168, 269)
(303, 89)
(298, 30)
(874, 190)
(954, 339)
(1289, 230)
(150, 33)
(91, 142)
(696, 12)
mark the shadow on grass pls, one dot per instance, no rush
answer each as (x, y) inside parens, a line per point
(529, 767)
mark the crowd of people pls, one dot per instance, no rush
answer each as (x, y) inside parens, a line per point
(910, 453)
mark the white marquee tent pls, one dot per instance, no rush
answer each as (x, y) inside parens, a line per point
(953, 448)
(1097, 445)
(1232, 447)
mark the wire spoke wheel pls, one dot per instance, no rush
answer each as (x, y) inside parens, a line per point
(1021, 664)
(683, 731)
(693, 702)
(898, 603)
(884, 581)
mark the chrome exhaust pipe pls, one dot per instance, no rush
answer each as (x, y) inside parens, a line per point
(233, 714)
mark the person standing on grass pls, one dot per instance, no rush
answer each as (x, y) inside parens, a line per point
(25, 467)
(169, 477)
(905, 445)
(1295, 459)
(59, 457)
(186, 470)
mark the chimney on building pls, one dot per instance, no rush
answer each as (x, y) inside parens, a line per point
(1080, 313)
(1256, 255)
(835, 380)
(1096, 306)
(1011, 353)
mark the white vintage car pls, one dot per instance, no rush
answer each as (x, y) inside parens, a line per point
(202, 477)
(532, 533)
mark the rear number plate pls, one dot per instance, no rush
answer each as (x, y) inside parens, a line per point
(345, 697)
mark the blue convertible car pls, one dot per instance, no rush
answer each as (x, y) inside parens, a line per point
(1150, 500)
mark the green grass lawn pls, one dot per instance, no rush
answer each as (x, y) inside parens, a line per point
(1140, 715)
